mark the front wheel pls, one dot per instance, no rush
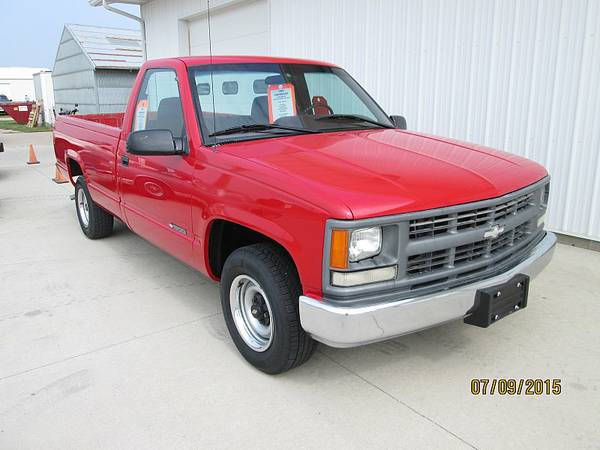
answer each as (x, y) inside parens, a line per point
(259, 295)
(95, 222)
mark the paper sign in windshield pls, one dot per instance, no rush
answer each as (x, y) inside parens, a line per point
(141, 115)
(282, 101)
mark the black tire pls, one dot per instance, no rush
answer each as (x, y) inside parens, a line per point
(273, 269)
(100, 223)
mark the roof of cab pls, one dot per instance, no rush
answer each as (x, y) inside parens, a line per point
(203, 60)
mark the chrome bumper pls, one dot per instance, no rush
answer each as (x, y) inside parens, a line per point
(341, 326)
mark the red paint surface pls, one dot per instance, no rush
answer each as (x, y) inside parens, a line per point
(285, 188)
(12, 109)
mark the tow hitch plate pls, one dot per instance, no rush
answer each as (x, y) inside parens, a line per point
(496, 302)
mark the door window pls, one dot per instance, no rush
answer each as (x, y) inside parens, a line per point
(158, 106)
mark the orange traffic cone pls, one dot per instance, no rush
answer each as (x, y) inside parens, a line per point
(59, 178)
(32, 157)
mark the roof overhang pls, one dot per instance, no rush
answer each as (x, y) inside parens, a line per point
(110, 2)
(109, 47)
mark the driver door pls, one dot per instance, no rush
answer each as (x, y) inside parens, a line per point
(155, 190)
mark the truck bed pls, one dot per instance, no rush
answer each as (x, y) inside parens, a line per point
(70, 132)
(91, 141)
(111, 119)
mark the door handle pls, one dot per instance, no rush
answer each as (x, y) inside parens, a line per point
(125, 160)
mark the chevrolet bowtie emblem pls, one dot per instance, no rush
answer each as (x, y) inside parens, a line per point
(493, 232)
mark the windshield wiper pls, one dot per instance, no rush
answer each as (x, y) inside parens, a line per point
(353, 117)
(258, 127)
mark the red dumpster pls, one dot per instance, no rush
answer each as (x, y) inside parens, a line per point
(19, 111)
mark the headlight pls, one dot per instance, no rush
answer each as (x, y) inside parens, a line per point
(351, 246)
(364, 243)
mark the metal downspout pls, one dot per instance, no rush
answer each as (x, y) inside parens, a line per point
(133, 17)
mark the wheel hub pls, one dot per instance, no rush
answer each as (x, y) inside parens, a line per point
(251, 313)
(84, 208)
(259, 310)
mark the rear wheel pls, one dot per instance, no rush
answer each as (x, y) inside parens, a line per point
(259, 295)
(95, 222)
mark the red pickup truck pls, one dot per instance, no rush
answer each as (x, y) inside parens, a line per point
(322, 217)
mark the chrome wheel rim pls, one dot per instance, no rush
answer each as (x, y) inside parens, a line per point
(83, 206)
(251, 312)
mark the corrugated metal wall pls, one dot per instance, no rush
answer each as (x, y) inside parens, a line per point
(519, 75)
(76, 81)
(73, 78)
(114, 87)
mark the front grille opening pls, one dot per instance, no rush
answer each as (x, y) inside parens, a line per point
(429, 227)
(509, 238)
(440, 260)
(521, 232)
(468, 259)
(470, 252)
(513, 207)
(427, 262)
(443, 280)
(473, 219)
(499, 244)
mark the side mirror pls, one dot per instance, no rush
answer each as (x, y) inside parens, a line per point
(399, 122)
(154, 142)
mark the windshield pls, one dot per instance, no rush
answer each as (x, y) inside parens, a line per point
(257, 100)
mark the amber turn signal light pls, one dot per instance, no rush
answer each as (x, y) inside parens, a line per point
(338, 256)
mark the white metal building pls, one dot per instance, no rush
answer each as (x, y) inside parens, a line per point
(95, 68)
(517, 75)
(17, 82)
(44, 94)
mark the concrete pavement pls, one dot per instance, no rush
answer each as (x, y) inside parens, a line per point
(115, 344)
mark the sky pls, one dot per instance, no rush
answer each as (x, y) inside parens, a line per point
(31, 29)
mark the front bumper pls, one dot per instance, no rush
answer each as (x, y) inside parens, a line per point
(350, 326)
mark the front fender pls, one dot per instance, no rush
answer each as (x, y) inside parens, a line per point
(300, 237)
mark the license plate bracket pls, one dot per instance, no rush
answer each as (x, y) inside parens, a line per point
(497, 302)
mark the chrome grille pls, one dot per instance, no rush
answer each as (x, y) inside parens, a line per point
(474, 218)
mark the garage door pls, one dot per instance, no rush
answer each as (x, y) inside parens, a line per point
(241, 29)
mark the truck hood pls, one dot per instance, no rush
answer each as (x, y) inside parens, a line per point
(387, 171)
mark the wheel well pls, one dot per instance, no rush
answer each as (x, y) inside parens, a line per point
(74, 168)
(226, 237)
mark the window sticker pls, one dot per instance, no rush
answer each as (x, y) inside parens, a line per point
(141, 115)
(282, 101)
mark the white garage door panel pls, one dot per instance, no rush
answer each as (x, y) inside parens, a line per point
(247, 45)
(239, 30)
